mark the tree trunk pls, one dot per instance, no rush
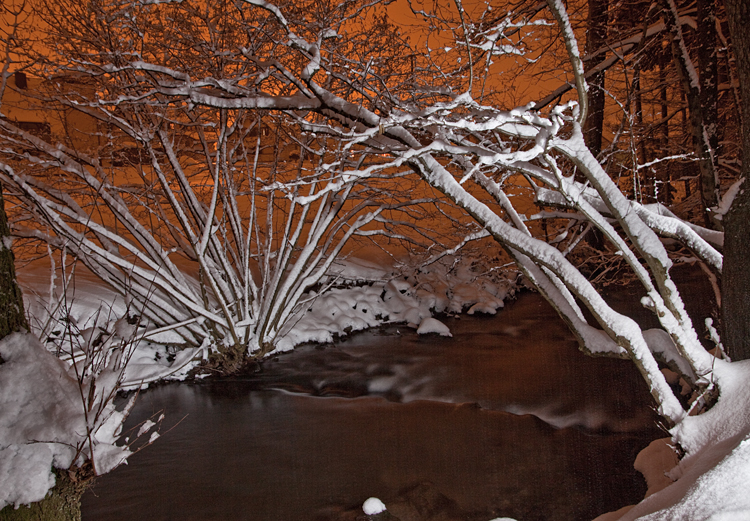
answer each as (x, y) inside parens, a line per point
(641, 151)
(708, 72)
(700, 123)
(12, 317)
(736, 272)
(596, 37)
(664, 108)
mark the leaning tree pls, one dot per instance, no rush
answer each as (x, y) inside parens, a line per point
(475, 154)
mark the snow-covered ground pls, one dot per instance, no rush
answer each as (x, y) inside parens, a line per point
(711, 480)
(43, 423)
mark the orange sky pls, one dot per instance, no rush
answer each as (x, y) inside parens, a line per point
(517, 88)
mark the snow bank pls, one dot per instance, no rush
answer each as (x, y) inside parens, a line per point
(364, 295)
(155, 362)
(39, 418)
(710, 482)
(43, 425)
(91, 311)
(381, 295)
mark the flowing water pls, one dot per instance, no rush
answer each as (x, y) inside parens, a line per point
(507, 418)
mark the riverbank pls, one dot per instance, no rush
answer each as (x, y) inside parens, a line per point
(358, 295)
(101, 346)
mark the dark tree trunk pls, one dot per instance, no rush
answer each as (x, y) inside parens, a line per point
(596, 38)
(664, 108)
(708, 73)
(736, 271)
(663, 139)
(700, 124)
(12, 317)
(642, 150)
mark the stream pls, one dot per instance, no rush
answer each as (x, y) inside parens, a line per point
(507, 418)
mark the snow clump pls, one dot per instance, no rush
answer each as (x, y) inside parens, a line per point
(375, 295)
(432, 325)
(373, 506)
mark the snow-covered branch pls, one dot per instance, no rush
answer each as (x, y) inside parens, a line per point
(258, 164)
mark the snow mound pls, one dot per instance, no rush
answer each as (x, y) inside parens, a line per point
(433, 325)
(42, 422)
(390, 295)
(373, 506)
(38, 415)
(150, 363)
(710, 482)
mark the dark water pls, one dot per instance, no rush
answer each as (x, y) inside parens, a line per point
(505, 419)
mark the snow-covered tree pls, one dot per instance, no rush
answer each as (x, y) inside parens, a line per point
(212, 215)
(178, 96)
(670, 101)
(187, 90)
(472, 153)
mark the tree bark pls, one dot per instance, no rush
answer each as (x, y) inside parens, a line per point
(736, 272)
(596, 37)
(708, 73)
(12, 317)
(700, 122)
(642, 152)
(663, 107)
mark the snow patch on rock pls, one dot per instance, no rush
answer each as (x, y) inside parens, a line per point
(373, 506)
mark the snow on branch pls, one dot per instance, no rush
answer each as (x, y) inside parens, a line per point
(259, 167)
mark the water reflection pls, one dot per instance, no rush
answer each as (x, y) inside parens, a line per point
(523, 361)
(318, 431)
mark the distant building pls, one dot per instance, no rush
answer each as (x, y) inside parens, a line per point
(26, 104)
(29, 102)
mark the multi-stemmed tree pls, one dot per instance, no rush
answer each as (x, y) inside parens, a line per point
(206, 211)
